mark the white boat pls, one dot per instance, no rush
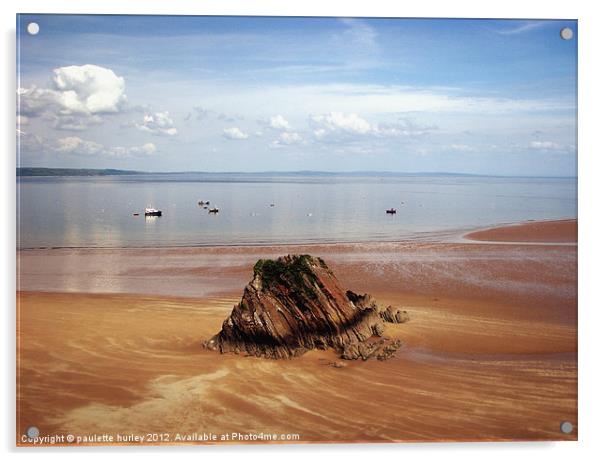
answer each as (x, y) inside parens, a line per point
(149, 211)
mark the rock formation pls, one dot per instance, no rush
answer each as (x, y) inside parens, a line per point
(295, 304)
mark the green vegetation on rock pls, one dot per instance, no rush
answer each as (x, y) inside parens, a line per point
(295, 271)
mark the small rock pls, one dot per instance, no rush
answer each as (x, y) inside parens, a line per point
(393, 315)
(402, 316)
(350, 352)
(378, 329)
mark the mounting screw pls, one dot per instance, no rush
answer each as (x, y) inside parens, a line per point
(32, 432)
(566, 33)
(566, 427)
(33, 28)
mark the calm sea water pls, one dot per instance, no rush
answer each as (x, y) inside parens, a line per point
(98, 211)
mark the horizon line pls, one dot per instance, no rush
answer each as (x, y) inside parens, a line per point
(326, 172)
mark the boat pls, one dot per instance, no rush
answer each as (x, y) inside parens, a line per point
(391, 211)
(149, 211)
(202, 202)
(214, 210)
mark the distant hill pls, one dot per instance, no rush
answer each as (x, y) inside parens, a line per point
(31, 171)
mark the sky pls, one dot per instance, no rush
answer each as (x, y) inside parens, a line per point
(185, 93)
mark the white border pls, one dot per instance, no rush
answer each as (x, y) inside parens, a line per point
(590, 195)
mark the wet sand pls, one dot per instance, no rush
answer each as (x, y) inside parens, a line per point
(490, 352)
(543, 231)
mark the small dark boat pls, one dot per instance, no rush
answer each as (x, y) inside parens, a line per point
(214, 210)
(152, 212)
(391, 211)
(136, 214)
(203, 203)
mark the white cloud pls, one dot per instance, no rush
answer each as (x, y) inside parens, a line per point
(87, 89)
(287, 139)
(546, 145)
(33, 101)
(159, 123)
(78, 146)
(234, 133)
(335, 123)
(291, 138)
(76, 97)
(278, 122)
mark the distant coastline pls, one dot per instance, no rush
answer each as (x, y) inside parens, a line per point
(36, 171)
(44, 171)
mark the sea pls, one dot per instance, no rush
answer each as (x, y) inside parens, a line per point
(276, 208)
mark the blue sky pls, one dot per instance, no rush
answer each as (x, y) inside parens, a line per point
(264, 94)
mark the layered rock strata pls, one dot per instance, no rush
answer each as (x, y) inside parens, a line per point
(294, 304)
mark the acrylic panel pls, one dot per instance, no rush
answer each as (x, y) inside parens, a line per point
(295, 229)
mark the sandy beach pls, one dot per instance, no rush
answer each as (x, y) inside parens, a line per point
(109, 343)
(544, 232)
